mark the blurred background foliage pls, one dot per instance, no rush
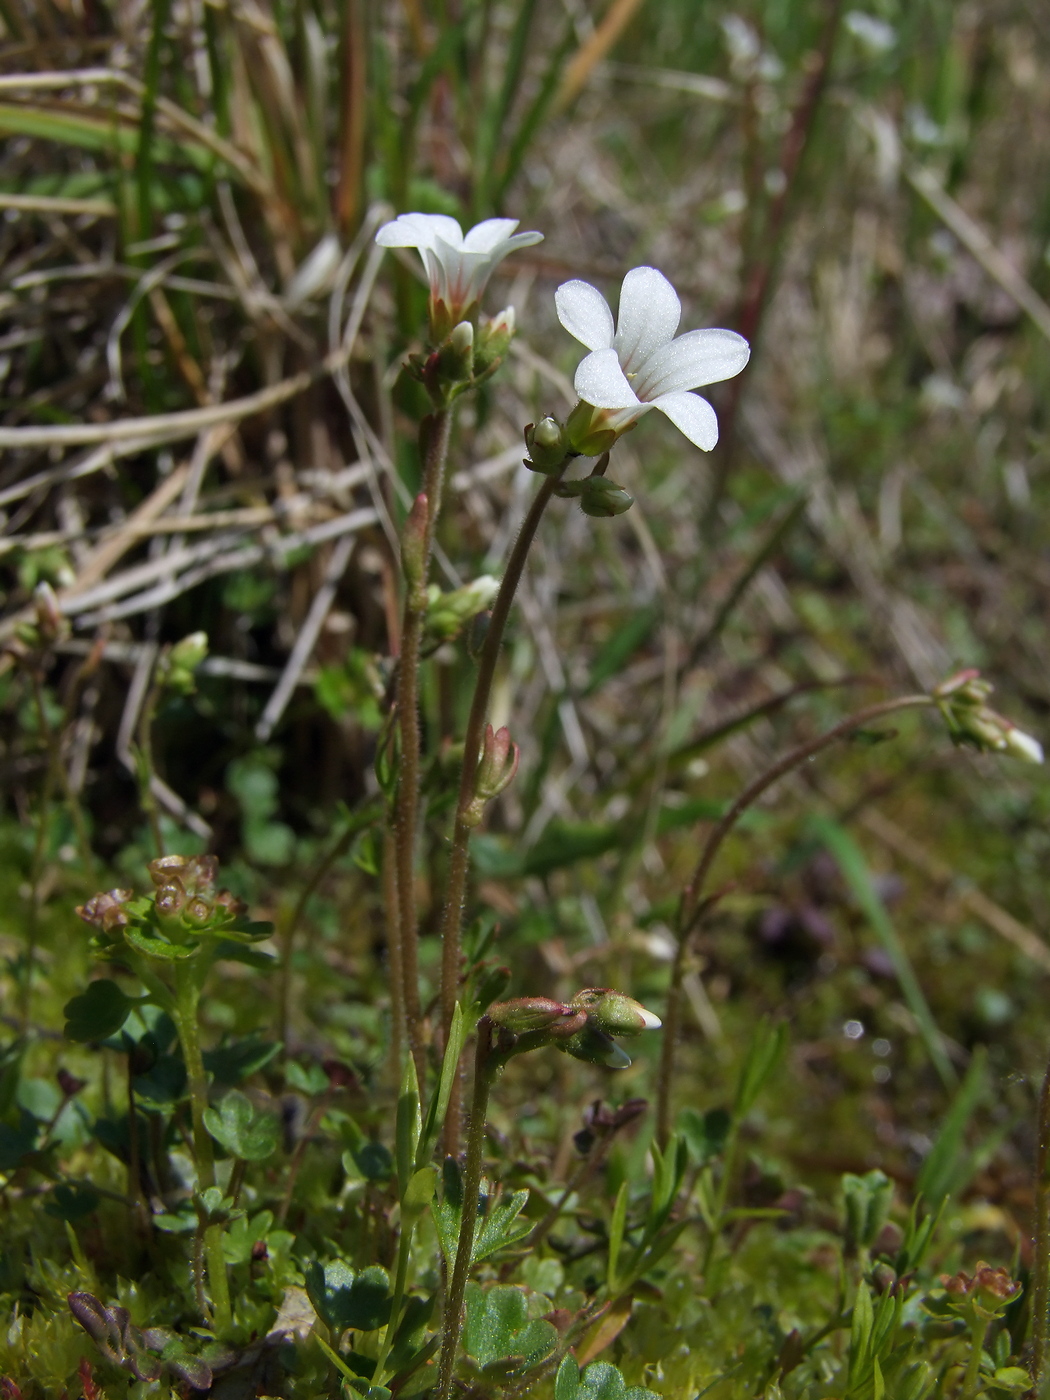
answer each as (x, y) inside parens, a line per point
(188, 193)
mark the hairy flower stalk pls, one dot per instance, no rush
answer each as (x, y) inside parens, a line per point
(473, 743)
(583, 1028)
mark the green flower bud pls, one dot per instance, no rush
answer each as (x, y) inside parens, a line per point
(547, 446)
(614, 1013)
(494, 339)
(602, 498)
(448, 613)
(198, 912)
(496, 769)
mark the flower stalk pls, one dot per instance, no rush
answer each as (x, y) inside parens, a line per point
(416, 551)
(187, 998)
(473, 743)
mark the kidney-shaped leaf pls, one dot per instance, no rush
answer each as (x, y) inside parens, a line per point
(244, 1132)
(97, 1013)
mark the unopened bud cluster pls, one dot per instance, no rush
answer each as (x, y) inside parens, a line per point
(962, 699)
(583, 1027)
(184, 905)
(175, 669)
(463, 357)
(496, 769)
(448, 613)
(985, 1293)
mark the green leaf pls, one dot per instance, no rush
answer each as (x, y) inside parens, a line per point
(98, 1012)
(419, 1192)
(438, 1106)
(408, 1125)
(948, 1166)
(705, 1134)
(146, 940)
(344, 1299)
(498, 1335)
(229, 1064)
(616, 1232)
(603, 1381)
(244, 1131)
(763, 1056)
(567, 1381)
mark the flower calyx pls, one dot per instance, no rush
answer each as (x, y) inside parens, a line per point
(496, 769)
(961, 700)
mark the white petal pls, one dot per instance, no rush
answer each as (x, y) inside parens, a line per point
(420, 231)
(648, 316)
(691, 415)
(600, 381)
(698, 357)
(652, 1021)
(584, 313)
(483, 237)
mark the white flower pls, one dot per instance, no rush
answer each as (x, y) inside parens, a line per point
(1022, 745)
(458, 267)
(641, 365)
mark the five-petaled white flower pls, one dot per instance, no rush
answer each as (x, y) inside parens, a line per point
(458, 267)
(640, 365)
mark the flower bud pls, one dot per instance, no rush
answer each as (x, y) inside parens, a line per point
(961, 701)
(176, 667)
(170, 898)
(413, 542)
(198, 912)
(105, 912)
(494, 339)
(602, 498)
(594, 1047)
(547, 446)
(448, 613)
(525, 1014)
(450, 369)
(614, 1013)
(496, 769)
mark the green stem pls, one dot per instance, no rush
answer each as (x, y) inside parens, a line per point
(187, 997)
(459, 858)
(484, 1069)
(1041, 1260)
(404, 1252)
(691, 906)
(972, 1381)
(406, 810)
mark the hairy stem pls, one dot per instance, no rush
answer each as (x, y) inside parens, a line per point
(459, 858)
(406, 810)
(187, 996)
(483, 1072)
(691, 906)
(1041, 1260)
